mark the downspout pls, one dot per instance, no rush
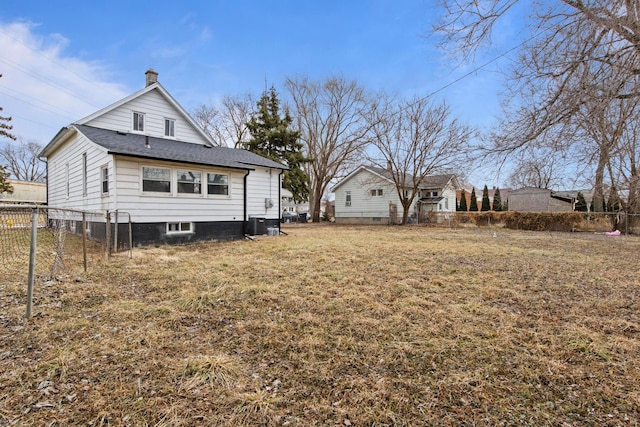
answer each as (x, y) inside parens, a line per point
(244, 207)
(279, 198)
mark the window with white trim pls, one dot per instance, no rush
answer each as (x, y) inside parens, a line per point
(104, 176)
(347, 198)
(138, 121)
(217, 184)
(376, 192)
(189, 182)
(179, 227)
(156, 179)
(169, 127)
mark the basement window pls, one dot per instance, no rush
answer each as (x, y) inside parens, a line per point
(179, 227)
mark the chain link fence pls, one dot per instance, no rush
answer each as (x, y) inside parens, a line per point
(39, 243)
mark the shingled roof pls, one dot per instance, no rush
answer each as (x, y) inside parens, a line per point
(428, 182)
(135, 145)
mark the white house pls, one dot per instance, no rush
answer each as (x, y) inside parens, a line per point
(144, 156)
(369, 195)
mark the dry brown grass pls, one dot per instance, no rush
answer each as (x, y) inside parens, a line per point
(366, 326)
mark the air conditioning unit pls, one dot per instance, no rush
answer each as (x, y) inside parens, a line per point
(268, 203)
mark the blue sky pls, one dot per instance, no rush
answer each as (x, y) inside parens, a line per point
(64, 60)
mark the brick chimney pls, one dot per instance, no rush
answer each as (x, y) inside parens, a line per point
(152, 77)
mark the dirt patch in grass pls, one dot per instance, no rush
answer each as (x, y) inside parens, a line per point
(334, 325)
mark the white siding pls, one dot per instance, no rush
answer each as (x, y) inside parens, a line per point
(71, 153)
(363, 204)
(158, 207)
(263, 183)
(156, 108)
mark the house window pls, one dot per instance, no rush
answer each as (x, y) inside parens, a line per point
(217, 184)
(434, 194)
(347, 198)
(379, 191)
(138, 122)
(156, 179)
(376, 192)
(169, 127)
(446, 204)
(179, 227)
(84, 174)
(188, 182)
(104, 174)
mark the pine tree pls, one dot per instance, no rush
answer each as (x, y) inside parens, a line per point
(497, 200)
(5, 127)
(581, 203)
(463, 202)
(5, 186)
(486, 203)
(473, 204)
(271, 137)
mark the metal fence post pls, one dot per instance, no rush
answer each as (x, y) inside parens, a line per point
(32, 260)
(84, 240)
(115, 235)
(108, 233)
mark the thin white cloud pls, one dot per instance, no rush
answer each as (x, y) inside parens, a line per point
(44, 89)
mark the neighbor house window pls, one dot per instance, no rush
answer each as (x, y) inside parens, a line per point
(217, 184)
(188, 182)
(169, 127)
(84, 174)
(179, 227)
(156, 179)
(104, 175)
(435, 194)
(138, 122)
(347, 198)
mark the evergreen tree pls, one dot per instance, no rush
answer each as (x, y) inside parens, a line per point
(497, 200)
(581, 203)
(473, 204)
(486, 203)
(5, 127)
(271, 137)
(5, 186)
(463, 202)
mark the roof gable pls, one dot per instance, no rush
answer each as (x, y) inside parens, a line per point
(156, 88)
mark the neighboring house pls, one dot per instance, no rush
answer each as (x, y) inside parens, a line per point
(369, 195)
(531, 199)
(289, 205)
(25, 192)
(145, 156)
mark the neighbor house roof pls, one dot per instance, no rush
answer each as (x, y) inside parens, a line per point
(135, 145)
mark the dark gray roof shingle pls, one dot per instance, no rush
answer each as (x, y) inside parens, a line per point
(131, 144)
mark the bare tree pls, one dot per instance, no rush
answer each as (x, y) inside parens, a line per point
(226, 124)
(578, 56)
(22, 162)
(331, 116)
(414, 139)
